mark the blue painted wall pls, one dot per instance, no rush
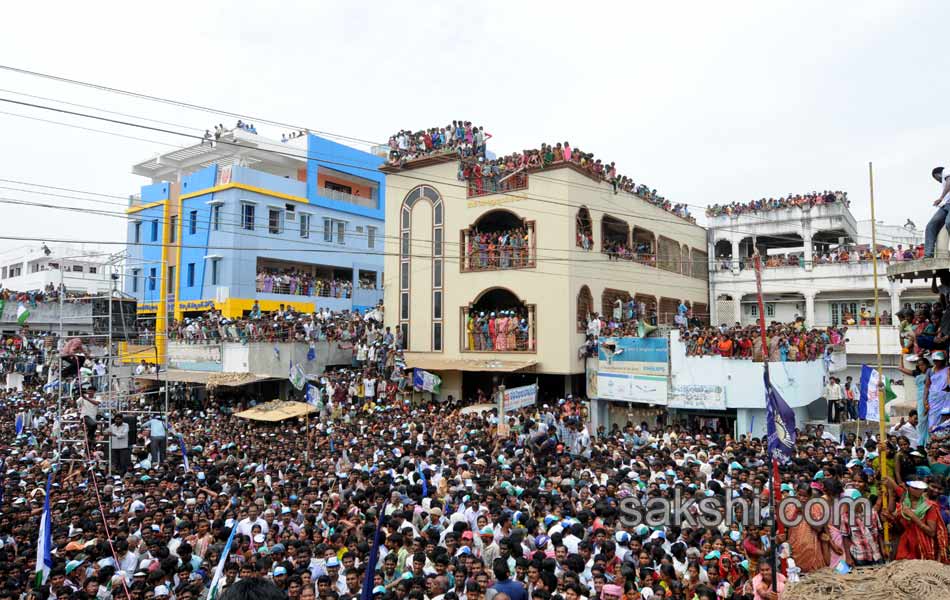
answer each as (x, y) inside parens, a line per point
(154, 192)
(146, 255)
(194, 246)
(348, 160)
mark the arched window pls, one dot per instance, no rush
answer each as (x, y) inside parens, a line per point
(585, 308)
(614, 237)
(584, 237)
(498, 321)
(668, 255)
(608, 303)
(432, 196)
(498, 240)
(700, 263)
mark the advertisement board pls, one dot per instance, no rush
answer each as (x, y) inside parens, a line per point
(632, 369)
(520, 397)
(698, 397)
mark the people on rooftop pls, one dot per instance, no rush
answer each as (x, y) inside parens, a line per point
(769, 204)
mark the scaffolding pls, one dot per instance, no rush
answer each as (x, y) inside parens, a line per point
(116, 391)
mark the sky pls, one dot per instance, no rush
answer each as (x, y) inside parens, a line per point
(706, 102)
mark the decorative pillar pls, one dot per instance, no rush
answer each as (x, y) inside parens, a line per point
(895, 293)
(808, 252)
(737, 308)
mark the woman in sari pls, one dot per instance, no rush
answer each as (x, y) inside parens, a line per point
(810, 551)
(924, 534)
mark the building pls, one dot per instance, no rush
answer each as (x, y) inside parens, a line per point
(559, 274)
(221, 220)
(801, 279)
(37, 266)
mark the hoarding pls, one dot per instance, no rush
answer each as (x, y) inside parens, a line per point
(631, 369)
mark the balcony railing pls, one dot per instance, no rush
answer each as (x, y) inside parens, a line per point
(339, 196)
(497, 254)
(488, 185)
(324, 290)
(484, 333)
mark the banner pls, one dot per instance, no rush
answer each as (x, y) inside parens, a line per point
(425, 381)
(520, 397)
(698, 397)
(869, 400)
(632, 369)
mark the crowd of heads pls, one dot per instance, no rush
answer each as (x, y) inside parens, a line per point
(770, 204)
(50, 293)
(293, 135)
(283, 325)
(620, 250)
(787, 342)
(299, 283)
(833, 256)
(460, 137)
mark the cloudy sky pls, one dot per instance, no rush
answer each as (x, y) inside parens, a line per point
(707, 102)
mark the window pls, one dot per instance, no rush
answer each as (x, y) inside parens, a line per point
(154, 230)
(191, 274)
(135, 280)
(151, 279)
(274, 220)
(436, 305)
(437, 337)
(247, 216)
(77, 269)
(137, 232)
(173, 229)
(93, 270)
(193, 222)
(216, 217)
(304, 225)
(215, 265)
(170, 282)
(371, 237)
(769, 310)
(331, 226)
(3, 273)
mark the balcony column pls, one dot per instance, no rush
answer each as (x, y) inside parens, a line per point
(810, 309)
(895, 293)
(808, 251)
(466, 255)
(531, 340)
(735, 257)
(737, 308)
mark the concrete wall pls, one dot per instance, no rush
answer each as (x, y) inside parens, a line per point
(45, 316)
(261, 358)
(194, 357)
(799, 383)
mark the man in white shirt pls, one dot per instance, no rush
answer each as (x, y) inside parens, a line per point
(247, 524)
(369, 388)
(908, 429)
(941, 218)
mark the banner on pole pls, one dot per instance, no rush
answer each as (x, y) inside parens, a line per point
(520, 397)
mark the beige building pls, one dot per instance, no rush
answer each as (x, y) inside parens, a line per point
(437, 276)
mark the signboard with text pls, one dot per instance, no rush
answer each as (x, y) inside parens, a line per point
(631, 369)
(521, 397)
(698, 397)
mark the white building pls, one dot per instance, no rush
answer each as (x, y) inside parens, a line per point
(824, 293)
(34, 266)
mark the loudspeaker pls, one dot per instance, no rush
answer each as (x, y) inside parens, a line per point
(123, 318)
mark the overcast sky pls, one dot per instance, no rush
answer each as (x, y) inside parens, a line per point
(707, 102)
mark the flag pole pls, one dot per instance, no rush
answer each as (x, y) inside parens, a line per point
(882, 435)
(757, 260)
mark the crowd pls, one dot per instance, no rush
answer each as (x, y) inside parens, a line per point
(787, 342)
(460, 512)
(770, 204)
(283, 325)
(31, 298)
(507, 173)
(284, 138)
(641, 252)
(459, 137)
(502, 249)
(841, 254)
(504, 330)
(298, 283)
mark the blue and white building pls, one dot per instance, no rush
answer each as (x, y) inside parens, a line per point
(215, 217)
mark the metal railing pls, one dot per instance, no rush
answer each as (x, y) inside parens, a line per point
(348, 198)
(488, 184)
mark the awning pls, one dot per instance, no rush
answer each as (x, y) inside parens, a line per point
(209, 378)
(276, 410)
(437, 363)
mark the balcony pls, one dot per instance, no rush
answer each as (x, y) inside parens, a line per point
(354, 199)
(488, 185)
(515, 334)
(502, 250)
(855, 269)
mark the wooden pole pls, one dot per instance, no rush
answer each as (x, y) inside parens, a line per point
(882, 434)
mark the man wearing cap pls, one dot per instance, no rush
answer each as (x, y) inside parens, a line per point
(941, 218)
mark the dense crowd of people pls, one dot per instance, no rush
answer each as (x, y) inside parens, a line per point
(832, 256)
(50, 293)
(299, 283)
(787, 342)
(506, 173)
(502, 249)
(770, 204)
(505, 330)
(640, 252)
(435, 505)
(282, 325)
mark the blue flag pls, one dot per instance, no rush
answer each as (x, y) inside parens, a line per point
(367, 592)
(184, 452)
(780, 423)
(44, 544)
(219, 569)
(19, 423)
(311, 353)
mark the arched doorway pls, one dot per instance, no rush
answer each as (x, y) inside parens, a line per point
(498, 321)
(585, 308)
